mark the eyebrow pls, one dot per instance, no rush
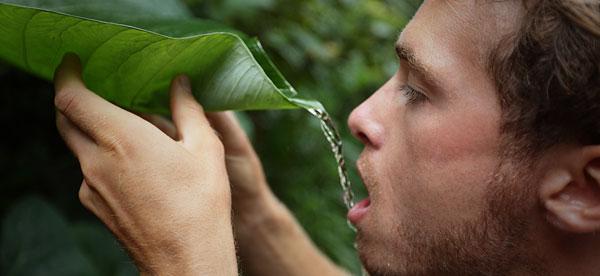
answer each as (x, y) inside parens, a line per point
(406, 53)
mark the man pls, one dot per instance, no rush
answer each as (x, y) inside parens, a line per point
(482, 156)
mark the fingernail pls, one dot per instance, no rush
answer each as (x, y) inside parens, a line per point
(184, 81)
(71, 58)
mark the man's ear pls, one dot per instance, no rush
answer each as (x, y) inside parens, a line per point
(570, 190)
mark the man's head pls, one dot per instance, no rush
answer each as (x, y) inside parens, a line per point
(482, 154)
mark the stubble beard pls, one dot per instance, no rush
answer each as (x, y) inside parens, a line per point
(497, 243)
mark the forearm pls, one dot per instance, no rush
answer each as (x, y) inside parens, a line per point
(271, 242)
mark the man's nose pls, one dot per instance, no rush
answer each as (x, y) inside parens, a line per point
(364, 125)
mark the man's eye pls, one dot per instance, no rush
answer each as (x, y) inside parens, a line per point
(412, 95)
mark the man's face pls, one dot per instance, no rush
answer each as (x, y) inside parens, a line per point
(443, 199)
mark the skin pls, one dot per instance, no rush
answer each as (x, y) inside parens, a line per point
(435, 155)
(146, 191)
(447, 196)
(447, 193)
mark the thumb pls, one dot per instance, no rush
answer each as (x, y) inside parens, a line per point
(188, 115)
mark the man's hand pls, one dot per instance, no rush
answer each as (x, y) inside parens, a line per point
(252, 198)
(167, 199)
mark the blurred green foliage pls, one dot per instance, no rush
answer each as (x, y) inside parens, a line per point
(336, 51)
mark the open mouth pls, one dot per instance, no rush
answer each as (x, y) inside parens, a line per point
(356, 214)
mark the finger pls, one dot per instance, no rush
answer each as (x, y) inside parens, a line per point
(76, 140)
(68, 74)
(161, 123)
(188, 115)
(232, 135)
(96, 117)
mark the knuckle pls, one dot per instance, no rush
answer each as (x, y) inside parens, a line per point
(117, 146)
(65, 100)
(85, 195)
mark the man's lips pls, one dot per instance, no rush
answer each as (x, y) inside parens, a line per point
(359, 211)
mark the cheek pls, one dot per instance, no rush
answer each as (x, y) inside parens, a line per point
(450, 157)
(445, 137)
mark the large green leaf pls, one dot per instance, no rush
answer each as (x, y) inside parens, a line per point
(131, 50)
(112, 10)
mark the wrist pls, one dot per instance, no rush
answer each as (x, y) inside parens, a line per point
(205, 252)
(265, 209)
(247, 202)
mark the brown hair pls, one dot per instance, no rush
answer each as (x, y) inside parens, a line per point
(548, 75)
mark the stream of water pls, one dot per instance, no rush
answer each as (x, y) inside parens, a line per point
(333, 137)
(335, 142)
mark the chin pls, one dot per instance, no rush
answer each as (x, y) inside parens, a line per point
(376, 248)
(373, 264)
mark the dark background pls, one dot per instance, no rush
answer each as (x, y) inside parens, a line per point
(337, 52)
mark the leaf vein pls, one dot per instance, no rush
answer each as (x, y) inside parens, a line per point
(131, 55)
(243, 77)
(140, 91)
(24, 40)
(232, 89)
(105, 42)
(61, 34)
